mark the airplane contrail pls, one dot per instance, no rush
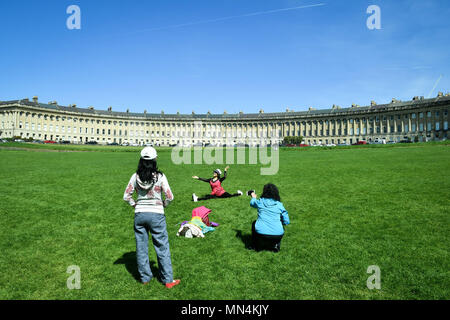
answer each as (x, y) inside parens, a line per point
(435, 85)
(229, 18)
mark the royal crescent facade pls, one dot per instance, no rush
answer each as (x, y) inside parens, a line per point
(419, 118)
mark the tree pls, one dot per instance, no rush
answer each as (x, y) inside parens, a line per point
(292, 140)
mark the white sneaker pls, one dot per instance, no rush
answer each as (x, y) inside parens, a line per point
(194, 197)
(239, 192)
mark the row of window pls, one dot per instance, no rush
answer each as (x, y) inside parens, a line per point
(126, 123)
(120, 140)
(218, 127)
(420, 115)
(377, 118)
(392, 129)
(358, 131)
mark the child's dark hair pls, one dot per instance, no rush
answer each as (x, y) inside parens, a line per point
(146, 170)
(270, 191)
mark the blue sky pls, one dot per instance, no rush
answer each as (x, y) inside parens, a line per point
(135, 55)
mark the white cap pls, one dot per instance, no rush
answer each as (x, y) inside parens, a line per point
(148, 153)
(218, 171)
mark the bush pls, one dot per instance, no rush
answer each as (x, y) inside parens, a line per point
(292, 140)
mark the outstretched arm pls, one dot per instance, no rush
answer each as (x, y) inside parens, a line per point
(224, 174)
(201, 179)
(254, 202)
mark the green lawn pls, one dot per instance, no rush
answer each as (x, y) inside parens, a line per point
(349, 208)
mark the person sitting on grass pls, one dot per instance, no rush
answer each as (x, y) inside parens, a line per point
(267, 230)
(216, 185)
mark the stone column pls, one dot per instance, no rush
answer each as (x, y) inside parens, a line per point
(409, 124)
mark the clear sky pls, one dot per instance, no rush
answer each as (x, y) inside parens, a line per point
(233, 55)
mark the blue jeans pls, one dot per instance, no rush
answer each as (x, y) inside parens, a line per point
(155, 223)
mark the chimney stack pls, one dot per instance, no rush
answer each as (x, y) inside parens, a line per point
(35, 99)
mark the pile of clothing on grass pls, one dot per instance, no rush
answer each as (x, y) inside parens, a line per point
(198, 225)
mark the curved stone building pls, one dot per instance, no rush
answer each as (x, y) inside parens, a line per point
(419, 118)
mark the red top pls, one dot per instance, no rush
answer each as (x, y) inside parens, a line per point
(216, 187)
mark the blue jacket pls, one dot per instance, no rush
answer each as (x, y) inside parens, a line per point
(271, 216)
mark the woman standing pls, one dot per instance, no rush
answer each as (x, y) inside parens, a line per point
(217, 191)
(150, 184)
(267, 230)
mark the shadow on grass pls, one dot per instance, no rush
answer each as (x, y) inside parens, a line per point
(245, 238)
(129, 260)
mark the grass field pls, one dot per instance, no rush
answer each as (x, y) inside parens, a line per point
(349, 208)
